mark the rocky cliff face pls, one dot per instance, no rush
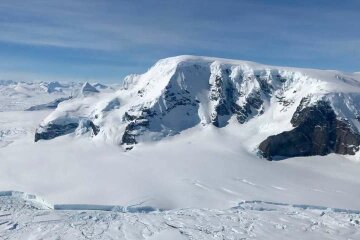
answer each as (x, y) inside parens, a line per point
(187, 91)
(317, 131)
(54, 130)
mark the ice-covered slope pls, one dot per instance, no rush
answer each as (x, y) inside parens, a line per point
(186, 91)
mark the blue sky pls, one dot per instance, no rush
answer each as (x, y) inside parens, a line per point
(106, 40)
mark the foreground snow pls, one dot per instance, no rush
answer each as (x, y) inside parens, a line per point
(24, 218)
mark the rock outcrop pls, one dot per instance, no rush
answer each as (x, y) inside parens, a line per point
(317, 131)
(50, 105)
(87, 88)
(51, 131)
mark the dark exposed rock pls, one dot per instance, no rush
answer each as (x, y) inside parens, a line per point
(223, 93)
(226, 96)
(253, 102)
(222, 108)
(216, 89)
(128, 138)
(88, 88)
(141, 92)
(265, 87)
(127, 117)
(113, 104)
(174, 98)
(55, 130)
(136, 125)
(132, 130)
(50, 105)
(283, 101)
(317, 131)
(95, 129)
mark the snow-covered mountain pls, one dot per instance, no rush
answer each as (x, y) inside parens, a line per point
(299, 112)
(200, 165)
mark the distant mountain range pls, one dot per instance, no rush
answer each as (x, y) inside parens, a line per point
(22, 95)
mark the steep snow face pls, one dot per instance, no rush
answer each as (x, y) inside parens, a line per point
(186, 91)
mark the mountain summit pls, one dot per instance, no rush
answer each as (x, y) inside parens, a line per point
(88, 88)
(293, 111)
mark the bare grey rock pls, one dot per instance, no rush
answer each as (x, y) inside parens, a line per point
(317, 131)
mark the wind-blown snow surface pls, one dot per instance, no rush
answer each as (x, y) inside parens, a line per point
(23, 218)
